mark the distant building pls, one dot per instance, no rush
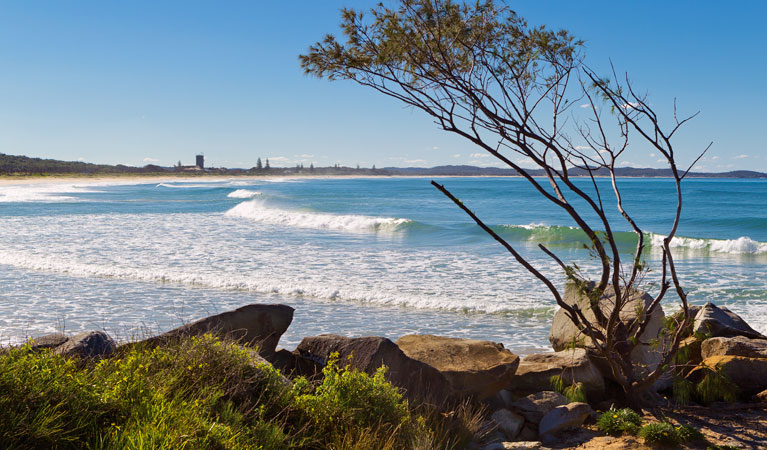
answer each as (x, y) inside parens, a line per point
(201, 161)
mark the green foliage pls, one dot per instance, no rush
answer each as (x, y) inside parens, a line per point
(616, 422)
(716, 386)
(689, 433)
(575, 392)
(684, 390)
(202, 393)
(662, 433)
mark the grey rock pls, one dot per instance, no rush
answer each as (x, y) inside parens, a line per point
(564, 332)
(48, 341)
(534, 406)
(720, 321)
(419, 380)
(734, 346)
(572, 365)
(251, 325)
(508, 422)
(90, 344)
(565, 417)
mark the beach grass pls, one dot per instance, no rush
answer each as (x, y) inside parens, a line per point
(204, 393)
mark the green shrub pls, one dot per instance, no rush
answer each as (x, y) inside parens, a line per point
(684, 390)
(716, 386)
(688, 433)
(662, 433)
(575, 392)
(616, 422)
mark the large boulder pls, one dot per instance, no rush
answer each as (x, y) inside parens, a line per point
(48, 341)
(572, 366)
(90, 344)
(565, 417)
(719, 321)
(564, 333)
(508, 422)
(473, 368)
(250, 325)
(748, 374)
(734, 346)
(419, 380)
(534, 406)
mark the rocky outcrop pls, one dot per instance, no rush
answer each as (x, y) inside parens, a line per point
(565, 417)
(564, 332)
(250, 325)
(90, 344)
(715, 321)
(419, 380)
(508, 422)
(293, 364)
(534, 406)
(473, 368)
(748, 374)
(48, 341)
(572, 366)
(734, 346)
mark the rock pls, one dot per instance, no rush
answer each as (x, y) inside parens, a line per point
(565, 417)
(420, 381)
(508, 422)
(564, 332)
(293, 364)
(473, 368)
(48, 341)
(535, 406)
(528, 433)
(521, 445)
(251, 325)
(715, 321)
(761, 397)
(747, 373)
(734, 346)
(90, 344)
(573, 366)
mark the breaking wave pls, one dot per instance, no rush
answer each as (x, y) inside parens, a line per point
(258, 212)
(243, 193)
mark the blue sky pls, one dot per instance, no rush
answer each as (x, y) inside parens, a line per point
(146, 81)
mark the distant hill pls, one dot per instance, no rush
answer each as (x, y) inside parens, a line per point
(24, 165)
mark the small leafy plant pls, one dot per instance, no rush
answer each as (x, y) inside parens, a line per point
(575, 392)
(616, 422)
(665, 433)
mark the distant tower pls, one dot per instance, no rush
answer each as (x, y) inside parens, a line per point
(201, 161)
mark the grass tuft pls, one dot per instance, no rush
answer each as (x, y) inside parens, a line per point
(617, 422)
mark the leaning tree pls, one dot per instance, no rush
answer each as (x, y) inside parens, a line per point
(482, 73)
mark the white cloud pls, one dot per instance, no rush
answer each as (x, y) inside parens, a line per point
(661, 160)
(629, 105)
(582, 147)
(714, 158)
(585, 105)
(652, 155)
(278, 159)
(151, 160)
(740, 156)
(415, 161)
(435, 148)
(80, 158)
(628, 163)
(479, 155)
(304, 156)
(457, 155)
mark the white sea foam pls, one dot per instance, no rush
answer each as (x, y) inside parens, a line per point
(186, 186)
(41, 192)
(243, 193)
(256, 210)
(741, 245)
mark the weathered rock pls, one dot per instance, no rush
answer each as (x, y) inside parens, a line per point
(565, 417)
(508, 422)
(734, 346)
(564, 332)
(747, 373)
(473, 368)
(90, 344)
(251, 325)
(293, 364)
(529, 433)
(534, 406)
(48, 341)
(521, 445)
(419, 380)
(572, 366)
(715, 321)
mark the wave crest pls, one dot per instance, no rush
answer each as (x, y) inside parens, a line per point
(243, 193)
(257, 211)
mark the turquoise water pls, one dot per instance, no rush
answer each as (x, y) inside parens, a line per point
(379, 256)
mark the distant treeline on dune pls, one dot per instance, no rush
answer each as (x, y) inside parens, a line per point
(24, 165)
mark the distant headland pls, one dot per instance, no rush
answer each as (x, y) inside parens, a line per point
(12, 165)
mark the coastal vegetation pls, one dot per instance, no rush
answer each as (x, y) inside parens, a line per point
(202, 392)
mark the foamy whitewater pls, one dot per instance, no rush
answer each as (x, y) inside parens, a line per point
(353, 256)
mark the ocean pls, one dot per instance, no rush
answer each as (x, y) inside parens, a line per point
(353, 256)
